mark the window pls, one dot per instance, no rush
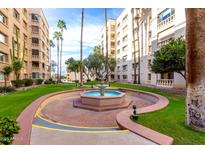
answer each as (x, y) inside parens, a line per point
(150, 33)
(3, 57)
(165, 14)
(118, 25)
(16, 15)
(124, 77)
(118, 42)
(25, 76)
(118, 77)
(112, 52)
(149, 76)
(16, 29)
(35, 75)
(35, 40)
(34, 17)
(135, 65)
(124, 67)
(3, 38)
(112, 44)
(118, 34)
(118, 68)
(125, 29)
(3, 18)
(118, 51)
(34, 29)
(124, 39)
(112, 36)
(149, 63)
(35, 52)
(124, 48)
(1, 76)
(124, 58)
(124, 19)
(112, 27)
(24, 25)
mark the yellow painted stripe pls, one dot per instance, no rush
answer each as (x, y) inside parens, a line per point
(77, 131)
(39, 116)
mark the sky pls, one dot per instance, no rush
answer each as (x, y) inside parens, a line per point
(93, 24)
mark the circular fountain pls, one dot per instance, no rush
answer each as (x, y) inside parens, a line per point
(102, 99)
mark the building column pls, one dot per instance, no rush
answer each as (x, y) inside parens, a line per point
(195, 68)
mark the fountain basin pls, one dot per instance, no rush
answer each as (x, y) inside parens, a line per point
(110, 98)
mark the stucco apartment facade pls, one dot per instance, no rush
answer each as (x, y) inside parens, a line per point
(20, 19)
(155, 27)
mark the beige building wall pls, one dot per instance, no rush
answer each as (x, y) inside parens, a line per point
(10, 20)
(20, 18)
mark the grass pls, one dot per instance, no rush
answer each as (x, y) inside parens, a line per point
(11, 105)
(169, 121)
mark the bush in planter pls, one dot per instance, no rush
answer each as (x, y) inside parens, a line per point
(6, 89)
(8, 127)
(18, 83)
(28, 82)
(38, 81)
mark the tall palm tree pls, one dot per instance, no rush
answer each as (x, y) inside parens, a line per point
(106, 43)
(57, 36)
(62, 26)
(137, 18)
(134, 47)
(52, 45)
(81, 47)
(195, 72)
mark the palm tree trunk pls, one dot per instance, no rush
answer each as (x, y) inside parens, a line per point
(134, 48)
(58, 61)
(195, 68)
(61, 55)
(106, 42)
(81, 47)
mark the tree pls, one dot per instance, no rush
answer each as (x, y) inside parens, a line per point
(73, 66)
(57, 36)
(52, 45)
(170, 58)
(62, 26)
(17, 60)
(106, 43)
(134, 47)
(6, 71)
(81, 47)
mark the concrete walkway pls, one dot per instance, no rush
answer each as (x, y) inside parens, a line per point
(42, 136)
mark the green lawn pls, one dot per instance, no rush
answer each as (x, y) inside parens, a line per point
(11, 105)
(171, 120)
(168, 121)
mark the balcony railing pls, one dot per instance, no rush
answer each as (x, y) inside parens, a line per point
(34, 44)
(34, 68)
(168, 83)
(166, 22)
(35, 57)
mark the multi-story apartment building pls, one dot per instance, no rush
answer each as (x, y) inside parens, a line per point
(12, 21)
(111, 34)
(20, 19)
(152, 29)
(39, 42)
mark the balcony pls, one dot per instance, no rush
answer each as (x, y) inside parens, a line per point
(167, 83)
(34, 44)
(165, 23)
(35, 68)
(35, 57)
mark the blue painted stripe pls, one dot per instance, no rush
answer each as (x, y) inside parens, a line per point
(41, 122)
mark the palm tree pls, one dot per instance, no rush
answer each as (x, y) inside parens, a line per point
(81, 47)
(62, 26)
(134, 47)
(57, 36)
(52, 45)
(137, 18)
(106, 42)
(6, 71)
(195, 72)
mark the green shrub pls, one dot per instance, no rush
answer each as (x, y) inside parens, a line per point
(49, 82)
(8, 127)
(28, 82)
(76, 81)
(38, 81)
(18, 83)
(88, 80)
(6, 89)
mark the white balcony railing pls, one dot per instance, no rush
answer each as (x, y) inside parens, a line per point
(166, 22)
(168, 83)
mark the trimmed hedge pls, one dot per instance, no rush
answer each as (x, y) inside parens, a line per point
(6, 89)
(28, 82)
(18, 83)
(38, 81)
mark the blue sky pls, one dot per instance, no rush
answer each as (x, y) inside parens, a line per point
(93, 23)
